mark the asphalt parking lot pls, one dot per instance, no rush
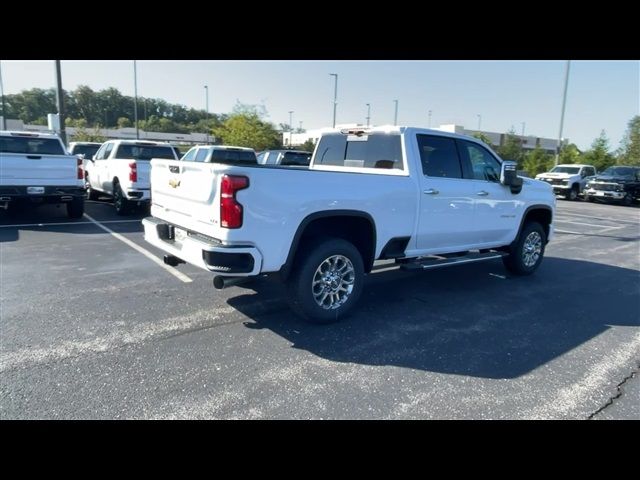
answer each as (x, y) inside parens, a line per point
(93, 327)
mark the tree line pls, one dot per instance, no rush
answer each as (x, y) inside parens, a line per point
(247, 126)
(600, 154)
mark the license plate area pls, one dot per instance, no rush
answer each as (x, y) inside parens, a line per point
(35, 190)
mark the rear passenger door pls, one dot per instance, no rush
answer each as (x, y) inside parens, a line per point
(446, 197)
(495, 212)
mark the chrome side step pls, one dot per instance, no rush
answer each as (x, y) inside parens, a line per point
(425, 263)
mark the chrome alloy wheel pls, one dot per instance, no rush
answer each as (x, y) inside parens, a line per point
(333, 282)
(531, 249)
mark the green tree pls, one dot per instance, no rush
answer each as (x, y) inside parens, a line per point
(511, 149)
(309, 145)
(569, 154)
(123, 122)
(248, 130)
(537, 161)
(630, 148)
(84, 135)
(599, 155)
(483, 138)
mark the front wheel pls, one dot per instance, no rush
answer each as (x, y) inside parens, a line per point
(628, 199)
(572, 194)
(526, 255)
(327, 280)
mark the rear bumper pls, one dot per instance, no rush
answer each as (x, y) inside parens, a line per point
(39, 194)
(210, 255)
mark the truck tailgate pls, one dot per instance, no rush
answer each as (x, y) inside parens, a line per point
(185, 193)
(22, 169)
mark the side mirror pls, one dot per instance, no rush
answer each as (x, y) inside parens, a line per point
(509, 176)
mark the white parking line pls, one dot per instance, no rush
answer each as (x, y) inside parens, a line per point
(630, 222)
(63, 223)
(181, 276)
(587, 224)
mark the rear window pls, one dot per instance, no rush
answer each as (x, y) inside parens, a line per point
(144, 152)
(296, 158)
(87, 150)
(31, 145)
(234, 157)
(376, 150)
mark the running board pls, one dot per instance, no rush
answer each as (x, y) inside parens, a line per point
(437, 262)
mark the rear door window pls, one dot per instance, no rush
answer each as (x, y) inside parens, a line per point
(202, 154)
(190, 155)
(439, 156)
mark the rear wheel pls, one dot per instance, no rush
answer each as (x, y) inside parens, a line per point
(526, 255)
(573, 193)
(75, 208)
(327, 280)
(123, 206)
(91, 193)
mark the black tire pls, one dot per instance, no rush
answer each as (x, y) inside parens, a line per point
(91, 193)
(515, 261)
(75, 208)
(573, 193)
(123, 206)
(588, 198)
(627, 200)
(300, 284)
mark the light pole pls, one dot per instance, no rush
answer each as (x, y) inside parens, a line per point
(290, 126)
(564, 104)
(523, 124)
(335, 97)
(4, 114)
(368, 113)
(206, 107)
(479, 121)
(135, 98)
(60, 102)
(395, 117)
(429, 118)
(300, 128)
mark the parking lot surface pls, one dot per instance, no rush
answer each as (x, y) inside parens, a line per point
(93, 325)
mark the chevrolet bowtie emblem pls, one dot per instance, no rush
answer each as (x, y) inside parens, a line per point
(174, 183)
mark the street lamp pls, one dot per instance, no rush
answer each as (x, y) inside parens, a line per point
(523, 124)
(564, 104)
(429, 118)
(135, 98)
(368, 113)
(290, 126)
(60, 102)
(335, 97)
(206, 107)
(479, 121)
(395, 117)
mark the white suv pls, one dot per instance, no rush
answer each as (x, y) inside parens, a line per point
(568, 180)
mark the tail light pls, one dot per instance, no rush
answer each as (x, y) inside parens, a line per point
(230, 209)
(133, 172)
(80, 170)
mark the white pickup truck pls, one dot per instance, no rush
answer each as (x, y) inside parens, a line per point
(35, 168)
(422, 197)
(120, 168)
(568, 180)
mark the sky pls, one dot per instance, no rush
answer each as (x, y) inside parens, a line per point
(601, 94)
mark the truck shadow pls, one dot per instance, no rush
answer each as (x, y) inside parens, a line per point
(465, 320)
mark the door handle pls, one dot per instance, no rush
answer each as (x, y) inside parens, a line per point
(482, 193)
(431, 191)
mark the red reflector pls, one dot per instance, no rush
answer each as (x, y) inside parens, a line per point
(80, 171)
(230, 209)
(133, 173)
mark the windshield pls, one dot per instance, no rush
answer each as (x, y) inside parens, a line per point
(87, 150)
(618, 171)
(31, 145)
(145, 152)
(571, 170)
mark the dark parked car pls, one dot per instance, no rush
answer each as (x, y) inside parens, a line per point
(298, 158)
(619, 183)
